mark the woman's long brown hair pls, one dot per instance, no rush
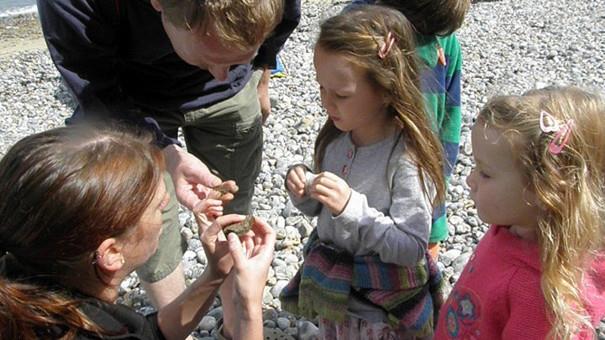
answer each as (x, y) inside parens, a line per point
(64, 192)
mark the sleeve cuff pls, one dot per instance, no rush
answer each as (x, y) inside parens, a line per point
(161, 140)
(353, 209)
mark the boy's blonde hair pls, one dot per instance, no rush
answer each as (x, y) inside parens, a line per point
(239, 23)
(432, 17)
(358, 35)
(568, 186)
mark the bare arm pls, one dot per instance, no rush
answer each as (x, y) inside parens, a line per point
(247, 267)
(178, 319)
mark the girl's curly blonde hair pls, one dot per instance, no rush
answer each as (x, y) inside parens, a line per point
(568, 185)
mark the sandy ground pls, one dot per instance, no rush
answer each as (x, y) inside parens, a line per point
(19, 34)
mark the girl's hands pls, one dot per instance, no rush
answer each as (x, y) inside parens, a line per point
(295, 180)
(330, 190)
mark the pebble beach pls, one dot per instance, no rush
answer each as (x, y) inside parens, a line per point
(509, 46)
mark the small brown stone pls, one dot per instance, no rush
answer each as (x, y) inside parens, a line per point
(221, 189)
(240, 228)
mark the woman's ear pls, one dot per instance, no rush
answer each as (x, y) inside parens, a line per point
(109, 256)
(156, 5)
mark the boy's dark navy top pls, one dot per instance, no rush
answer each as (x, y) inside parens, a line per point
(115, 56)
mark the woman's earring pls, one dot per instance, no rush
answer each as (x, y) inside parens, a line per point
(95, 257)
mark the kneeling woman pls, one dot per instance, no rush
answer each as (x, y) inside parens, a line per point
(81, 208)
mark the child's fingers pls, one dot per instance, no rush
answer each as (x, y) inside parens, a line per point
(323, 189)
(328, 177)
(296, 179)
(330, 185)
(299, 193)
(300, 171)
(205, 204)
(321, 198)
(214, 212)
(211, 202)
(228, 197)
(291, 183)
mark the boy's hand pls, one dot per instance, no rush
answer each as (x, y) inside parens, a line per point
(295, 181)
(332, 191)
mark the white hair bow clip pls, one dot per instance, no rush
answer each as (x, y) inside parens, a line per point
(549, 124)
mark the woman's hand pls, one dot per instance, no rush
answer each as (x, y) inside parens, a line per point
(216, 245)
(330, 190)
(295, 180)
(250, 268)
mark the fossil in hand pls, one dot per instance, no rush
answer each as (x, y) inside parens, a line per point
(240, 228)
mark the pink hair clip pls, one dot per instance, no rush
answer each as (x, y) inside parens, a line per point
(561, 138)
(549, 124)
(384, 50)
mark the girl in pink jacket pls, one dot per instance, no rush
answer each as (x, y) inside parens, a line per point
(539, 272)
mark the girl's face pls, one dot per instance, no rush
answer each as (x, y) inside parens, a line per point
(352, 102)
(497, 185)
(144, 241)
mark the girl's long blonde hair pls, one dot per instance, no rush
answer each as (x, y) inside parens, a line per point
(358, 35)
(568, 186)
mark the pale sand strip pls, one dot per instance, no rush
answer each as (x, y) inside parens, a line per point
(19, 34)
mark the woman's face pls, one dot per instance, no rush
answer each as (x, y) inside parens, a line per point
(144, 241)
